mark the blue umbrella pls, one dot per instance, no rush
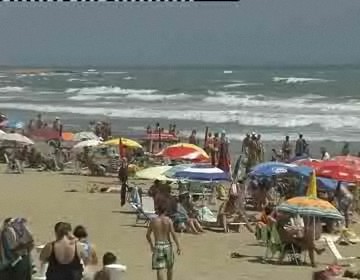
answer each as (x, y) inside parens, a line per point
(278, 168)
(202, 174)
(15, 124)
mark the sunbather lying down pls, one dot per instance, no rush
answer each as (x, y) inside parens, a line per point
(229, 213)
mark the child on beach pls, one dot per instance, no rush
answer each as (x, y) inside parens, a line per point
(103, 274)
(162, 249)
(89, 252)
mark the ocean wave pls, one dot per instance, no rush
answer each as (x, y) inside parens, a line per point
(134, 96)
(114, 73)
(129, 78)
(228, 72)
(11, 89)
(240, 84)
(76, 80)
(305, 102)
(331, 122)
(108, 90)
(43, 74)
(296, 80)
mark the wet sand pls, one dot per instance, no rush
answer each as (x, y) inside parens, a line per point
(44, 200)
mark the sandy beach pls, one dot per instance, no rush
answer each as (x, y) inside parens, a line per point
(44, 198)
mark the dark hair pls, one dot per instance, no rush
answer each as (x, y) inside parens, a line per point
(62, 229)
(108, 258)
(80, 232)
(161, 207)
(268, 209)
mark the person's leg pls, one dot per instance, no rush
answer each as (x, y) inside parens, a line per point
(224, 223)
(160, 274)
(198, 226)
(169, 273)
(192, 226)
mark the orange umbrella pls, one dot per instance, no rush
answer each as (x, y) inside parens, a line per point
(67, 136)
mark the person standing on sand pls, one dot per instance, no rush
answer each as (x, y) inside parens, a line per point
(286, 149)
(260, 149)
(300, 146)
(346, 149)
(162, 249)
(192, 138)
(245, 144)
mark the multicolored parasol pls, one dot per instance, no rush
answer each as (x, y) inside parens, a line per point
(184, 151)
(128, 143)
(310, 205)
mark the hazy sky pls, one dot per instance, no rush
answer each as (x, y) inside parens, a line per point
(250, 32)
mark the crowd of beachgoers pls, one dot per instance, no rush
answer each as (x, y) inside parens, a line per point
(287, 202)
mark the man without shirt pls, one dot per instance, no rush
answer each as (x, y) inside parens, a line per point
(163, 255)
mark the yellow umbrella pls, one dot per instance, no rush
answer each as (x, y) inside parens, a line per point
(312, 187)
(124, 141)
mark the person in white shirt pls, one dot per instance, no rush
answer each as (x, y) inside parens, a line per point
(324, 154)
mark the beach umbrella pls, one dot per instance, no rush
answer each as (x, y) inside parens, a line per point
(154, 173)
(184, 151)
(310, 162)
(2, 132)
(200, 173)
(85, 135)
(16, 137)
(15, 124)
(67, 136)
(128, 143)
(347, 159)
(339, 171)
(87, 143)
(268, 169)
(310, 205)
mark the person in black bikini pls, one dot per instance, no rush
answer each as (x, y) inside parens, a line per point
(63, 255)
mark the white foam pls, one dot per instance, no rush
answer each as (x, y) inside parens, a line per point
(76, 80)
(243, 117)
(240, 84)
(11, 89)
(228, 72)
(295, 80)
(108, 90)
(114, 73)
(134, 96)
(129, 78)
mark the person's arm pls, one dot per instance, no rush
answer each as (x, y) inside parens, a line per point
(94, 258)
(148, 236)
(45, 253)
(174, 237)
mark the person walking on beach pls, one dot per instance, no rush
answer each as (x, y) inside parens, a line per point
(63, 255)
(344, 200)
(324, 154)
(346, 149)
(300, 146)
(245, 144)
(260, 149)
(192, 138)
(162, 250)
(286, 149)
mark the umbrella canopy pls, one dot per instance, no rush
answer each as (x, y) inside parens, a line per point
(125, 142)
(87, 143)
(16, 137)
(339, 171)
(2, 132)
(202, 174)
(277, 168)
(347, 159)
(310, 162)
(177, 168)
(67, 136)
(154, 173)
(184, 151)
(310, 205)
(85, 135)
(15, 124)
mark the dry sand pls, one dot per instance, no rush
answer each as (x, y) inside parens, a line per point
(42, 198)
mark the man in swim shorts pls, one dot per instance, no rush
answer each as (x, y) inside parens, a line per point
(162, 250)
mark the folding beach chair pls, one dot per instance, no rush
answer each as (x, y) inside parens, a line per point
(275, 245)
(144, 212)
(338, 257)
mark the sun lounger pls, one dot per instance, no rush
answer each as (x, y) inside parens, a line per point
(145, 212)
(338, 257)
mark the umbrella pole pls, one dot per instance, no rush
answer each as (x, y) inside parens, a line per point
(206, 136)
